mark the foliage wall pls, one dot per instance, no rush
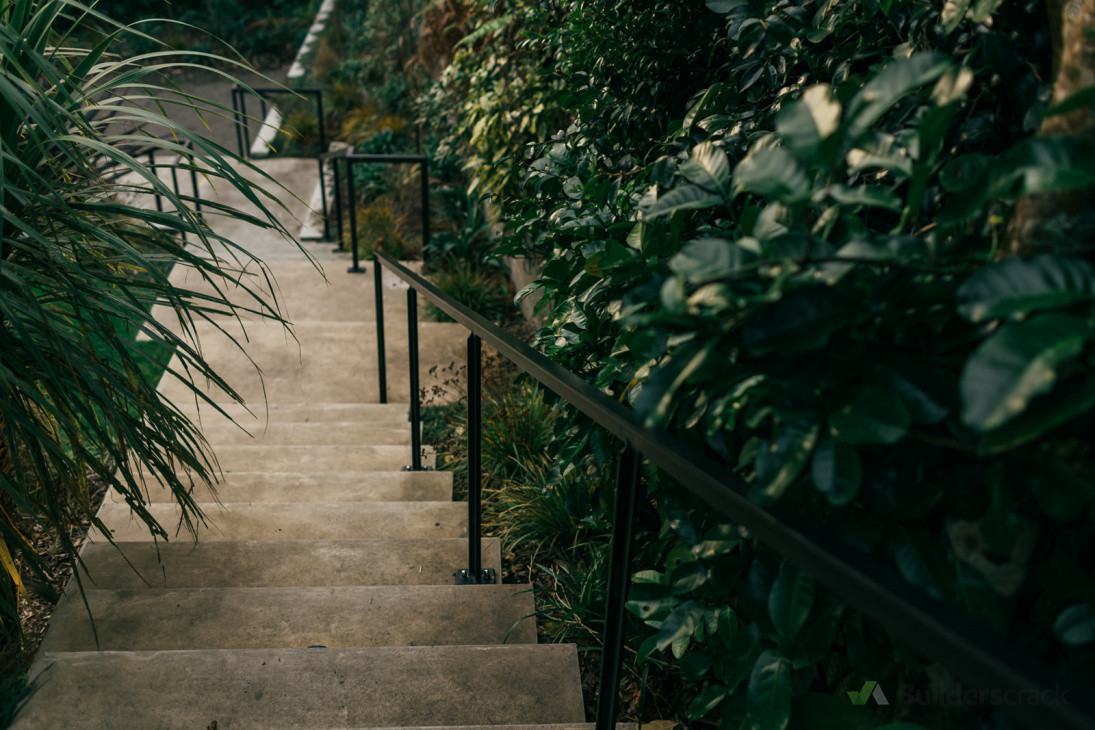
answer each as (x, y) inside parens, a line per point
(788, 231)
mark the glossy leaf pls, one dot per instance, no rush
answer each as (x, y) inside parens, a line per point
(1017, 287)
(837, 471)
(879, 94)
(774, 173)
(783, 461)
(683, 197)
(769, 700)
(706, 701)
(707, 167)
(1014, 365)
(790, 601)
(1076, 625)
(706, 259)
(874, 415)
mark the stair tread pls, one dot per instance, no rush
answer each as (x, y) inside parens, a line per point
(254, 618)
(295, 688)
(336, 486)
(294, 520)
(228, 563)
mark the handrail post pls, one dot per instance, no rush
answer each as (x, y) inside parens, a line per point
(319, 159)
(623, 533)
(352, 194)
(474, 574)
(333, 161)
(155, 171)
(381, 357)
(193, 176)
(246, 151)
(236, 116)
(424, 183)
(412, 344)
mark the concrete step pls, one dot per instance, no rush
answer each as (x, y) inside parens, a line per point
(333, 433)
(317, 459)
(304, 294)
(257, 563)
(307, 688)
(330, 361)
(294, 521)
(275, 412)
(267, 618)
(334, 486)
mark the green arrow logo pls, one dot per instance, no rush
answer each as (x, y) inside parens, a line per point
(870, 689)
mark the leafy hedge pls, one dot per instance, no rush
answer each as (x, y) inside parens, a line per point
(780, 229)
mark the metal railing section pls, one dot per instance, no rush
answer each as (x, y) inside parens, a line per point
(243, 129)
(348, 159)
(927, 624)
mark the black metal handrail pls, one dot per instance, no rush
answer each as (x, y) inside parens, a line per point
(243, 129)
(349, 159)
(150, 152)
(927, 624)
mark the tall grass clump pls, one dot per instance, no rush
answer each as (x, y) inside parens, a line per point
(83, 261)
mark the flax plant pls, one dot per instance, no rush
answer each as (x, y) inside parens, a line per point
(83, 259)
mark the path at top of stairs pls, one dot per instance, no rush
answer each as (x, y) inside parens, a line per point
(320, 591)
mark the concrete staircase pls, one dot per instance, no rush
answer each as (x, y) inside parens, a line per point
(320, 592)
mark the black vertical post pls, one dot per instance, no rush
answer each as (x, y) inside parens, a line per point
(475, 574)
(322, 177)
(412, 344)
(156, 172)
(381, 358)
(193, 177)
(246, 126)
(238, 117)
(475, 455)
(351, 204)
(623, 532)
(175, 179)
(338, 200)
(425, 193)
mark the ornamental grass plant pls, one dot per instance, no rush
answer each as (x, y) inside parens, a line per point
(84, 256)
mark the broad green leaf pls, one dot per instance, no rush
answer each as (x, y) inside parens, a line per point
(1080, 100)
(695, 665)
(790, 601)
(680, 624)
(878, 95)
(651, 600)
(707, 167)
(706, 701)
(837, 471)
(922, 565)
(779, 464)
(706, 259)
(953, 12)
(1039, 420)
(772, 172)
(1076, 625)
(723, 6)
(683, 197)
(874, 415)
(801, 321)
(863, 195)
(805, 124)
(769, 700)
(1017, 287)
(982, 10)
(688, 577)
(1015, 364)
(1050, 164)
(736, 663)
(814, 642)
